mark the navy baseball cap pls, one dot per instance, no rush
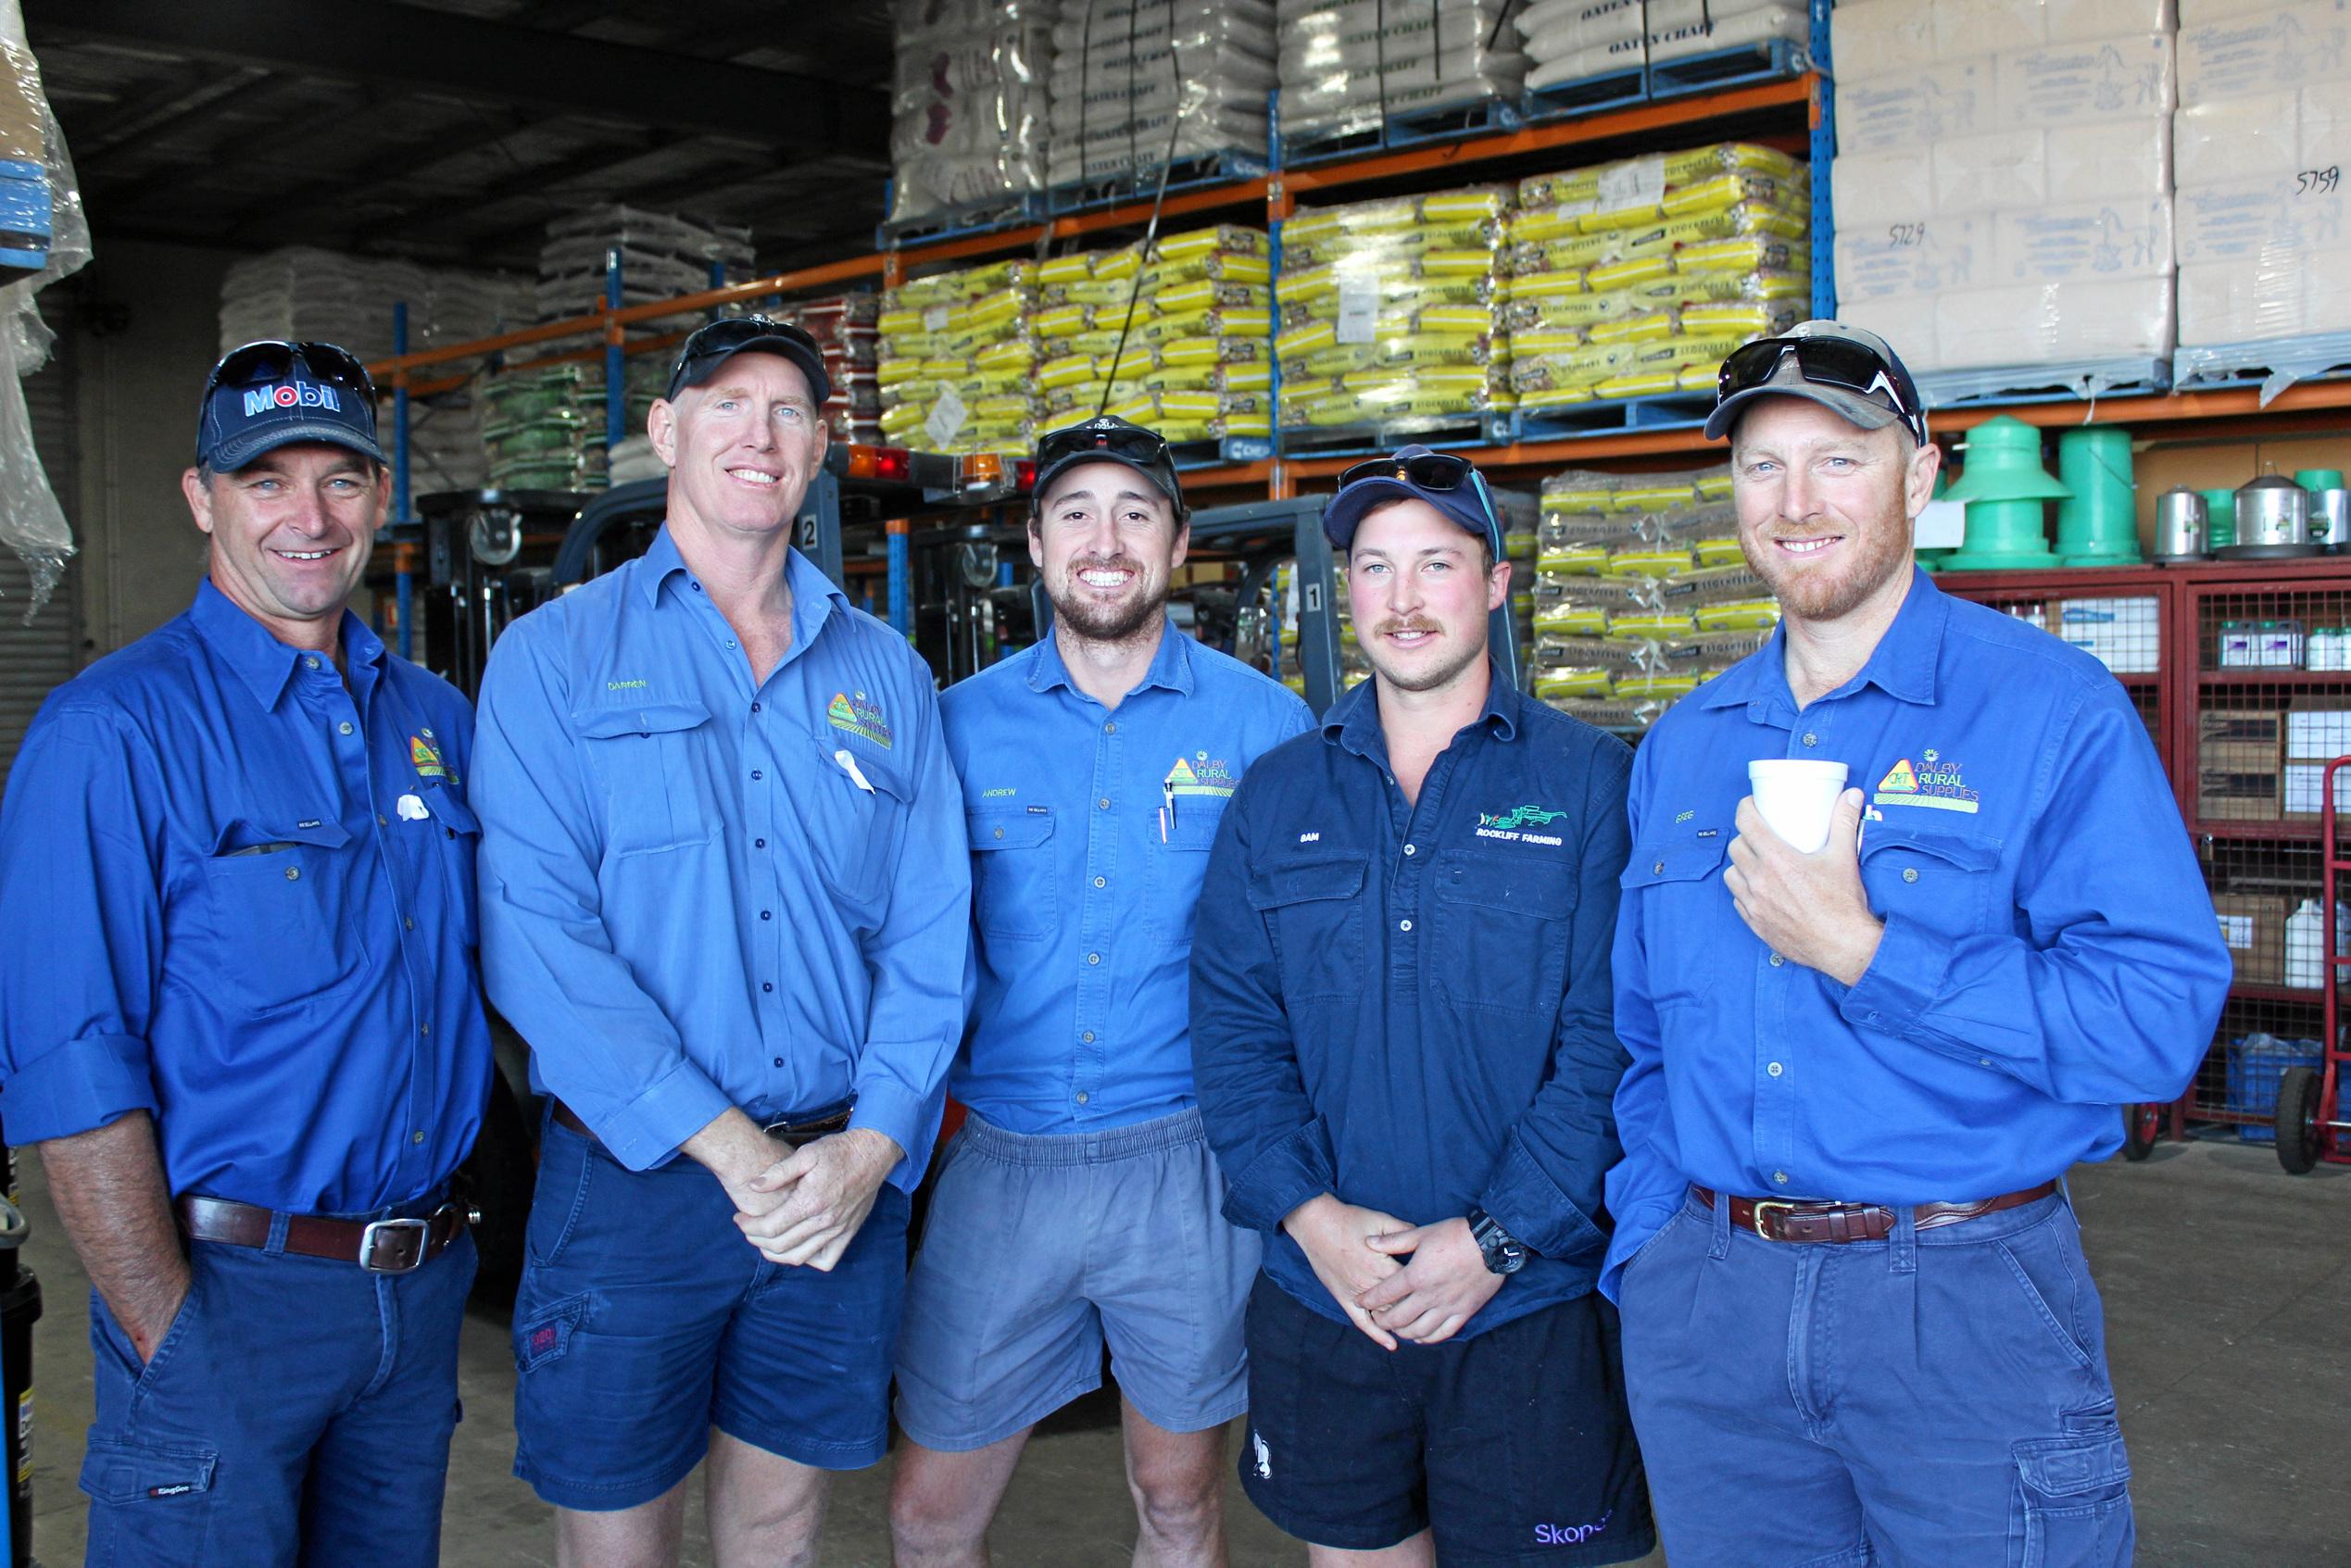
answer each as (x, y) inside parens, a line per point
(272, 394)
(1850, 371)
(699, 356)
(1109, 439)
(1445, 480)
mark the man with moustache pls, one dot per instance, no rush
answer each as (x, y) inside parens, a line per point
(725, 900)
(239, 1017)
(1079, 1204)
(1400, 1029)
(1858, 1327)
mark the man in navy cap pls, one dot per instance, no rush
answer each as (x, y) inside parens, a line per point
(725, 899)
(247, 1038)
(1401, 1033)
(1858, 1328)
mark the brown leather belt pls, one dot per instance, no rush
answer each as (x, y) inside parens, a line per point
(792, 1132)
(384, 1247)
(1780, 1220)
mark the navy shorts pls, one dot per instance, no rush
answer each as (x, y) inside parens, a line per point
(645, 1319)
(1512, 1446)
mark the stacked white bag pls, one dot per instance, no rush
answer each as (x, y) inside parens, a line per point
(2260, 147)
(1570, 40)
(1136, 84)
(2008, 207)
(1347, 65)
(968, 102)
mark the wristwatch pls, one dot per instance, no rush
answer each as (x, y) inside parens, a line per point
(1505, 1254)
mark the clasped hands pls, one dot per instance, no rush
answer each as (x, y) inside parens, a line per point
(803, 1206)
(1354, 1252)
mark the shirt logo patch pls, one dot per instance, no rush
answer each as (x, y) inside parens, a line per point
(861, 716)
(427, 761)
(1200, 775)
(1933, 783)
(1511, 827)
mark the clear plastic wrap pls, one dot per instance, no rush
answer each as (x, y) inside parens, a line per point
(1136, 85)
(1587, 39)
(969, 101)
(33, 523)
(1350, 64)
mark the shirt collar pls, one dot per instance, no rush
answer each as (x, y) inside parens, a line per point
(1903, 664)
(1170, 663)
(264, 663)
(1353, 719)
(813, 594)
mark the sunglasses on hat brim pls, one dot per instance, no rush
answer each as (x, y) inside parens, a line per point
(1427, 471)
(275, 360)
(1825, 362)
(722, 337)
(1132, 443)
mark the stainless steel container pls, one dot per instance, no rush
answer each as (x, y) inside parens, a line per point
(2180, 522)
(2273, 520)
(2331, 519)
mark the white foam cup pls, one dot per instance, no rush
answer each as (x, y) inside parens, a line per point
(1797, 798)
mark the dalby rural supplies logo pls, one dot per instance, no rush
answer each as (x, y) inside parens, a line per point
(1511, 827)
(1933, 783)
(428, 761)
(861, 716)
(1200, 774)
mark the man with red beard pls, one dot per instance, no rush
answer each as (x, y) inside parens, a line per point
(1858, 1328)
(1078, 1205)
(1400, 1026)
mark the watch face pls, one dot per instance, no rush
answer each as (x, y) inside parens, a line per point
(1507, 1259)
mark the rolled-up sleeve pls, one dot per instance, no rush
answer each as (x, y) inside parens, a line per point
(81, 865)
(548, 961)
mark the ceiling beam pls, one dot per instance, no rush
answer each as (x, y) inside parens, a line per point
(285, 209)
(524, 182)
(136, 126)
(408, 49)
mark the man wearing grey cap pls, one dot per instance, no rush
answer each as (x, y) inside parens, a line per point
(1858, 1328)
(725, 897)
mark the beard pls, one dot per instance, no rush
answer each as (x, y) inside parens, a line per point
(1880, 553)
(1098, 622)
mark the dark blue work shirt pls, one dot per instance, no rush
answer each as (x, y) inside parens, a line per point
(1090, 830)
(1406, 1005)
(239, 895)
(2049, 950)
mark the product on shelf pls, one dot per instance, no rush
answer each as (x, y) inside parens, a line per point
(1573, 39)
(845, 328)
(2002, 182)
(1135, 83)
(1350, 64)
(968, 121)
(661, 255)
(1637, 278)
(1392, 311)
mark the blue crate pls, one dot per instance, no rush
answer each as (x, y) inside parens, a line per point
(1375, 440)
(1133, 185)
(1586, 95)
(2254, 1068)
(974, 218)
(1665, 410)
(1771, 60)
(1439, 122)
(2072, 382)
(1226, 449)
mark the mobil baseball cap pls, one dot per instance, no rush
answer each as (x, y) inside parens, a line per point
(1851, 372)
(272, 394)
(1445, 480)
(699, 356)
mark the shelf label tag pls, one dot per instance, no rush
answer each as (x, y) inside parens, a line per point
(1358, 309)
(1636, 182)
(945, 420)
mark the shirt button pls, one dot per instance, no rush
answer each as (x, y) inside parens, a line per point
(1409, 849)
(1111, 728)
(1657, 870)
(1909, 873)
(1810, 739)
(1104, 803)
(999, 833)
(424, 1029)
(1083, 1096)
(294, 873)
(1088, 1036)
(1100, 882)
(1780, 1176)
(767, 914)
(1775, 1069)
(1093, 958)
(1403, 925)
(757, 775)
(1876, 1016)
(767, 984)
(345, 726)
(381, 821)
(312, 662)
(730, 642)
(409, 921)
(417, 1137)
(755, 708)
(779, 1062)
(758, 843)
(1777, 960)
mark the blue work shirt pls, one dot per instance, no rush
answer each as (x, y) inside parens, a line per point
(238, 895)
(1405, 1005)
(2049, 950)
(700, 893)
(1082, 885)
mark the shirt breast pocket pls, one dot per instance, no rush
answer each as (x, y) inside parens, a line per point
(1315, 910)
(1179, 865)
(1013, 883)
(1674, 888)
(1502, 931)
(1941, 879)
(458, 835)
(852, 826)
(656, 797)
(278, 914)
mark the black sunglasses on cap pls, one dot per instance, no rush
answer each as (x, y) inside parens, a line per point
(731, 333)
(274, 359)
(1430, 471)
(1830, 361)
(1128, 441)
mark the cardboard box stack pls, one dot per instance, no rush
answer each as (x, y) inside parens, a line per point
(2259, 145)
(969, 101)
(2318, 731)
(2124, 633)
(1575, 39)
(2240, 755)
(2004, 180)
(1393, 311)
(1350, 65)
(1636, 278)
(1640, 593)
(2253, 928)
(1137, 82)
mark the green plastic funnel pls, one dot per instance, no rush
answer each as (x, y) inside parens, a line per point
(2219, 518)
(2098, 524)
(2004, 486)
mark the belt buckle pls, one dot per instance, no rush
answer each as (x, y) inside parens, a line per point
(1764, 1204)
(376, 1229)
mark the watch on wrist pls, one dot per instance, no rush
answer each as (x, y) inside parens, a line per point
(1504, 1253)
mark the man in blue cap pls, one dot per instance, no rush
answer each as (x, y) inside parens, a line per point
(1401, 1033)
(725, 897)
(1858, 1328)
(249, 1040)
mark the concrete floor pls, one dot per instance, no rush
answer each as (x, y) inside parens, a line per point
(2227, 1291)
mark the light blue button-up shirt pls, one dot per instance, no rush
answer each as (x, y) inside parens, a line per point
(1084, 879)
(699, 893)
(2049, 950)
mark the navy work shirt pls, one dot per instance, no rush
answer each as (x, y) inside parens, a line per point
(238, 895)
(1082, 887)
(1406, 1005)
(2049, 950)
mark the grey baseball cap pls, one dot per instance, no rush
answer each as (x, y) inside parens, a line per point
(1847, 370)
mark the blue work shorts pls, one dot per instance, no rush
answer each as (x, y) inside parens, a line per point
(1039, 1249)
(297, 1409)
(645, 1318)
(1938, 1399)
